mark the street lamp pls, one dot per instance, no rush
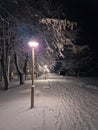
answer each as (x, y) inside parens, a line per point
(46, 70)
(45, 66)
(32, 44)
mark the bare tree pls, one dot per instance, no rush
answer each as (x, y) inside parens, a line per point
(5, 57)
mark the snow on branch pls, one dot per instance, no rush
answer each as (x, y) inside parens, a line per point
(60, 24)
(57, 32)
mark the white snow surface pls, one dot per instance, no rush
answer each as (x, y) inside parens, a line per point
(60, 103)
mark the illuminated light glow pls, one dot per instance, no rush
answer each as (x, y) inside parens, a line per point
(28, 70)
(33, 44)
(45, 66)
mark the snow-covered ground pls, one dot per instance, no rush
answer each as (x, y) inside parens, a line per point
(61, 103)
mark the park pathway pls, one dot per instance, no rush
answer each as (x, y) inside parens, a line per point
(61, 103)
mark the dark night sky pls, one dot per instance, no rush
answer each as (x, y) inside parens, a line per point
(85, 12)
(81, 8)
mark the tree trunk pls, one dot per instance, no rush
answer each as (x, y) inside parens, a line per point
(25, 76)
(8, 68)
(21, 78)
(25, 66)
(5, 79)
(21, 75)
(4, 75)
(0, 72)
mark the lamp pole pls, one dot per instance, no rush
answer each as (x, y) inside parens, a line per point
(32, 88)
(33, 45)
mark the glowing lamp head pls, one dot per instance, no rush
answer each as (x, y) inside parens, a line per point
(45, 66)
(33, 44)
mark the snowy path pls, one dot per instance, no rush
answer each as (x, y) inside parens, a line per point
(60, 104)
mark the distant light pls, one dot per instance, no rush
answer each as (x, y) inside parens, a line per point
(28, 70)
(33, 44)
(45, 66)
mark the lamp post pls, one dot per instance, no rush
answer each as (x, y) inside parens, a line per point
(33, 45)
